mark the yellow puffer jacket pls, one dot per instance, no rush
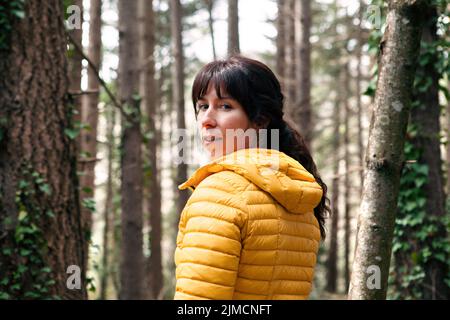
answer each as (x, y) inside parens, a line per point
(248, 230)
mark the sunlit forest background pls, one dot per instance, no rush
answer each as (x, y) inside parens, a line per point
(131, 66)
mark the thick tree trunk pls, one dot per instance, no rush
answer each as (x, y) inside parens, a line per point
(40, 220)
(427, 116)
(281, 42)
(303, 113)
(233, 27)
(149, 94)
(178, 93)
(384, 156)
(90, 114)
(75, 69)
(332, 270)
(132, 265)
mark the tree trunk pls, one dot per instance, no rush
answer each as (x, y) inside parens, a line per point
(158, 287)
(427, 116)
(116, 244)
(41, 232)
(154, 263)
(332, 270)
(75, 70)
(178, 93)
(384, 156)
(347, 176)
(280, 42)
(448, 144)
(303, 113)
(108, 214)
(233, 27)
(359, 95)
(210, 6)
(290, 74)
(90, 114)
(132, 265)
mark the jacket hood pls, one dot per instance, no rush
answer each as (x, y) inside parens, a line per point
(284, 178)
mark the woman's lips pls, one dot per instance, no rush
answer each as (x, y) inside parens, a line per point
(210, 139)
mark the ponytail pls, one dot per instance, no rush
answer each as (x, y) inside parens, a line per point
(293, 144)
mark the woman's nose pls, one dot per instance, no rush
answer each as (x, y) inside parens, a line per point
(208, 118)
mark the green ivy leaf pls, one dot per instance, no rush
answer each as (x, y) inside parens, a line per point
(50, 214)
(22, 268)
(23, 184)
(24, 252)
(22, 215)
(89, 203)
(87, 190)
(46, 270)
(4, 296)
(15, 287)
(45, 188)
(18, 13)
(71, 133)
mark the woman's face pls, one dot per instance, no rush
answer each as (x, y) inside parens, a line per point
(223, 123)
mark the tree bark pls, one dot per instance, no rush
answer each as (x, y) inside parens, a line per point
(384, 157)
(210, 6)
(303, 113)
(427, 118)
(108, 213)
(90, 113)
(290, 74)
(132, 265)
(281, 43)
(448, 145)
(178, 92)
(347, 176)
(332, 270)
(149, 94)
(75, 70)
(233, 27)
(177, 101)
(359, 95)
(41, 231)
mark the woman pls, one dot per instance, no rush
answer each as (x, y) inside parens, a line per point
(252, 226)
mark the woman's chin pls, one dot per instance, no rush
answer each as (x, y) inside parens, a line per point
(213, 150)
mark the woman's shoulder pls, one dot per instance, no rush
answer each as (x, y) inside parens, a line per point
(220, 196)
(226, 180)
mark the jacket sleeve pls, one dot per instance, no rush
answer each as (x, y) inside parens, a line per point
(209, 241)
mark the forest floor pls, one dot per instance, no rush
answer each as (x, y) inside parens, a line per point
(330, 296)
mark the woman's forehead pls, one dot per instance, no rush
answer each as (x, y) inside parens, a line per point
(214, 88)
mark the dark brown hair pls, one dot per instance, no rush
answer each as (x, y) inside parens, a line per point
(258, 90)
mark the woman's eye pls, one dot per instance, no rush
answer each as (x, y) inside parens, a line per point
(226, 107)
(202, 107)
